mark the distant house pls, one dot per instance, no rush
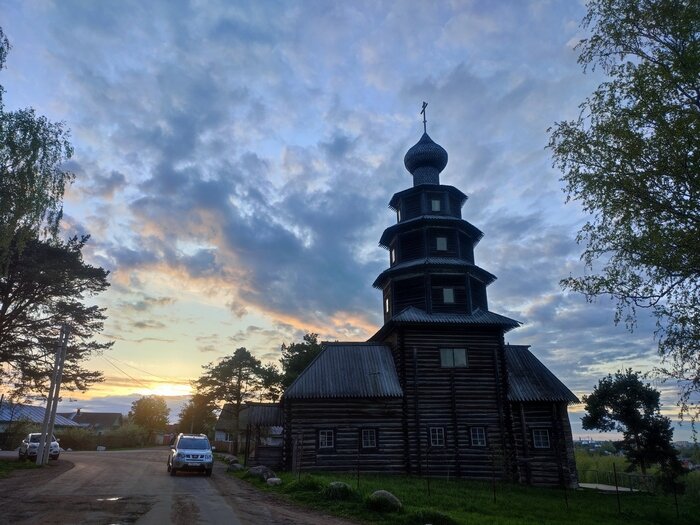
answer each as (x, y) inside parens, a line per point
(96, 421)
(260, 431)
(12, 413)
(225, 424)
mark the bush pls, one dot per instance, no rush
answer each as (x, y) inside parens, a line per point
(434, 517)
(77, 438)
(383, 501)
(129, 435)
(305, 484)
(338, 490)
(17, 431)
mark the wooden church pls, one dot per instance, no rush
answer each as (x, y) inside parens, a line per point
(436, 391)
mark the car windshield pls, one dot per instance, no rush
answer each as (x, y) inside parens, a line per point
(196, 444)
(35, 438)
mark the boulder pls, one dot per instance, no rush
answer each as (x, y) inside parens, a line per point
(261, 472)
(338, 490)
(274, 481)
(383, 501)
(234, 467)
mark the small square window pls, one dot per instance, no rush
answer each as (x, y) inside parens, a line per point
(369, 438)
(325, 439)
(435, 204)
(453, 357)
(448, 295)
(478, 436)
(441, 244)
(540, 438)
(437, 437)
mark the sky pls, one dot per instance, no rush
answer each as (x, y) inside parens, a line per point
(234, 161)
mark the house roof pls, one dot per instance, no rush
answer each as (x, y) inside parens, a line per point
(530, 380)
(394, 202)
(10, 412)
(348, 370)
(96, 419)
(225, 419)
(263, 414)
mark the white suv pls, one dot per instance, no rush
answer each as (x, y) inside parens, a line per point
(29, 446)
(190, 452)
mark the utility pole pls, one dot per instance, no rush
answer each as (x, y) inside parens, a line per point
(42, 456)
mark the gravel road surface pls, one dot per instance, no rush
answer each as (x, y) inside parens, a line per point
(133, 487)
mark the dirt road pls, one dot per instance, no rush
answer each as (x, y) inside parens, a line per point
(134, 487)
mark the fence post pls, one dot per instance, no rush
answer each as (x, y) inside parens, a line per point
(617, 491)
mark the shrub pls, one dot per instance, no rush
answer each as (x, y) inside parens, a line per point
(434, 517)
(77, 439)
(305, 484)
(383, 501)
(129, 435)
(338, 490)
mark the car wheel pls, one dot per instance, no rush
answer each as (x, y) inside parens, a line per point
(168, 466)
(207, 473)
(173, 471)
(55, 458)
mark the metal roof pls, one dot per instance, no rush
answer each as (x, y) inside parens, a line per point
(446, 220)
(486, 277)
(263, 414)
(348, 370)
(530, 380)
(411, 314)
(99, 420)
(10, 412)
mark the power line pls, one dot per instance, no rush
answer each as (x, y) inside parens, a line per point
(144, 371)
(127, 375)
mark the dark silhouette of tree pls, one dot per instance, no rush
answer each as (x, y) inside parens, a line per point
(234, 380)
(624, 403)
(197, 416)
(297, 356)
(151, 413)
(632, 159)
(46, 285)
(270, 381)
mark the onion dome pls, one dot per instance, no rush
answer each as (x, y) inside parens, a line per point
(425, 160)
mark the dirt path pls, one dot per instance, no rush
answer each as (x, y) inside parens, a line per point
(134, 487)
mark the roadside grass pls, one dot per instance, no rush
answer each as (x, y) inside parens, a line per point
(469, 502)
(9, 465)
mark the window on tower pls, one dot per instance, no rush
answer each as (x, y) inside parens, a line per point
(435, 204)
(393, 255)
(448, 295)
(441, 244)
(453, 358)
(386, 305)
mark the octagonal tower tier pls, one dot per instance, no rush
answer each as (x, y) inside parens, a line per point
(431, 248)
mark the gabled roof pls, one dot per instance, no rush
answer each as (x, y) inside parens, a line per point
(530, 380)
(10, 412)
(263, 414)
(226, 418)
(344, 370)
(96, 420)
(445, 262)
(434, 220)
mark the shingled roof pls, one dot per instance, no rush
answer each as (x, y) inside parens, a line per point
(530, 380)
(263, 414)
(348, 370)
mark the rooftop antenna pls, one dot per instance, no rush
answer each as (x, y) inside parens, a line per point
(422, 111)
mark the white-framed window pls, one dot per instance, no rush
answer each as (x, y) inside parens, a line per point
(453, 357)
(478, 436)
(437, 436)
(540, 438)
(326, 439)
(369, 438)
(441, 244)
(386, 305)
(448, 295)
(393, 255)
(435, 204)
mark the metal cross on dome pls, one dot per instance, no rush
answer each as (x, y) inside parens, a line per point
(422, 111)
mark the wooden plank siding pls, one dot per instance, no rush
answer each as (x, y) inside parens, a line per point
(455, 399)
(346, 418)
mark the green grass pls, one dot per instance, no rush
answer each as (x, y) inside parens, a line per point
(467, 502)
(9, 465)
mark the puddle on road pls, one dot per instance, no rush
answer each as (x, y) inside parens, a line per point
(108, 499)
